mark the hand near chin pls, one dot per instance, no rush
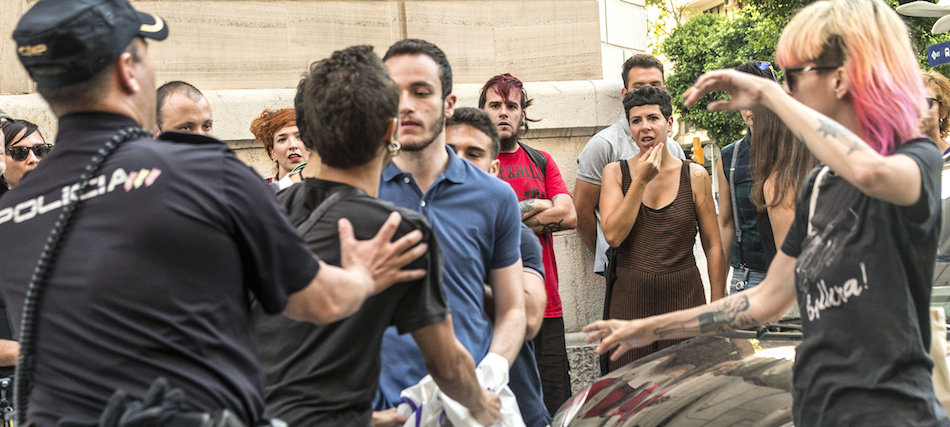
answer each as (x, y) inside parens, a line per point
(647, 164)
(617, 335)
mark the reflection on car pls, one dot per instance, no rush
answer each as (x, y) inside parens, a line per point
(739, 378)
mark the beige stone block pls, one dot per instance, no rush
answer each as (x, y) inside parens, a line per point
(534, 40)
(13, 78)
(262, 44)
(625, 24)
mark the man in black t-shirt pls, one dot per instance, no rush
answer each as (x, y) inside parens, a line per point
(170, 240)
(328, 375)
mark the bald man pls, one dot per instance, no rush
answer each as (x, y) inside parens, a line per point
(181, 107)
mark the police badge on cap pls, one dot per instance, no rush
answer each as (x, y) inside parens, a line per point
(62, 42)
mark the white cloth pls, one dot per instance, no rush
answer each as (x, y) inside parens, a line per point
(426, 405)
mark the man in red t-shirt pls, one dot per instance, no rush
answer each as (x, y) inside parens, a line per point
(546, 207)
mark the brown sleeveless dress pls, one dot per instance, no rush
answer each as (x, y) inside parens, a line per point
(656, 270)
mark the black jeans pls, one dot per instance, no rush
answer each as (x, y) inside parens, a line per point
(551, 355)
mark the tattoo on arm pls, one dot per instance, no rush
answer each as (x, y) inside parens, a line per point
(526, 205)
(539, 228)
(727, 314)
(830, 128)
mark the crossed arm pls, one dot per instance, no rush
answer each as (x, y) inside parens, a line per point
(546, 216)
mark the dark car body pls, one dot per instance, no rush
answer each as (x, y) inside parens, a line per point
(738, 379)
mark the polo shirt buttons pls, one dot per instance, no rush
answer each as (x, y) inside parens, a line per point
(405, 179)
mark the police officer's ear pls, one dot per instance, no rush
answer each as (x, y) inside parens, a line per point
(129, 68)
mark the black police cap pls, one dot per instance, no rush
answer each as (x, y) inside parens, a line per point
(62, 42)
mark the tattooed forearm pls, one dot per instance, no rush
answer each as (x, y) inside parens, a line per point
(727, 314)
(535, 225)
(527, 205)
(833, 129)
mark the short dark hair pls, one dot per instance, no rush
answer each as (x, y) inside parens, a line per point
(12, 128)
(422, 47)
(345, 105)
(640, 60)
(166, 90)
(648, 95)
(756, 69)
(479, 121)
(86, 92)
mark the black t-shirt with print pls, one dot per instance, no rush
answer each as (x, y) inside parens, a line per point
(863, 279)
(153, 277)
(314, 372)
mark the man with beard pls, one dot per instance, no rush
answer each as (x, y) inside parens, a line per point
(474, 217)
(546, 207)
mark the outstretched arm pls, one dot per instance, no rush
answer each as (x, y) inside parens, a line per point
(748, 308)
(368, 267)
(895, 178)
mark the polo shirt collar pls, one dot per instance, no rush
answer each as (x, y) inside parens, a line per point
(454, 171)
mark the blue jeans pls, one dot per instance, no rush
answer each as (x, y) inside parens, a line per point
(743, 278)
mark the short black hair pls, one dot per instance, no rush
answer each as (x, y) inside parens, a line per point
(640, 60)
(84, 93)
(648, 95)
(422, 47)
(12, 128)
(478, 120)
(752, 67)
(344, 106)
(167, 90)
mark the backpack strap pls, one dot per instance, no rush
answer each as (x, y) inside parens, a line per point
(321, 210)
(536, 157)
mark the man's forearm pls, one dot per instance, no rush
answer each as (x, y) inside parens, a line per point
(509, 334)
(8, 352)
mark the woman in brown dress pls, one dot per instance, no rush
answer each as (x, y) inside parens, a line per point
(651, 206)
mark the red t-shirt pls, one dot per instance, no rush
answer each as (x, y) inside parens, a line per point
(529, 182)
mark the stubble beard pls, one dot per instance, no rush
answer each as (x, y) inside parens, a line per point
(437, 126)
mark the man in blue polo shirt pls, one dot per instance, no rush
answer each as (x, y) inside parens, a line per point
(475, 218)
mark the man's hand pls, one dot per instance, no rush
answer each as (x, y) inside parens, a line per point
(532, 207)
(388, 418)
(490, 408)
(379, 258)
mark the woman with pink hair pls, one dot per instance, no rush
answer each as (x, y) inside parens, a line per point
(859, 256)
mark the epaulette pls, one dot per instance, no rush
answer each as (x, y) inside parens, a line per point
(189, 138)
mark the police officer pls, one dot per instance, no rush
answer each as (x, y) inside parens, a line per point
(169, 241)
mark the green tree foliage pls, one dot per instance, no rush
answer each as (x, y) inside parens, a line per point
(709, 42)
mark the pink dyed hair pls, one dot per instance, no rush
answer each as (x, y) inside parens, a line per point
(886, 89)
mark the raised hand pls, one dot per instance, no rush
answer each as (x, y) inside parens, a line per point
(380, 257)
(746, 90)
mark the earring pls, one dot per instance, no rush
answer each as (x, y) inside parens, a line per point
(393, 147)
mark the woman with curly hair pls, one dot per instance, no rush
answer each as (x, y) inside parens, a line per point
(277, 131)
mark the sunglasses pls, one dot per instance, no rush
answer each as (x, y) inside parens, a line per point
(765, 65)
(790, 73)
(931, 101)
(21, 152)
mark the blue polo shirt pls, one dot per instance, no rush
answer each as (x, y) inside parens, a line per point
(476, 220)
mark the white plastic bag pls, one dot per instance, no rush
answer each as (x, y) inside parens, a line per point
(426, 405)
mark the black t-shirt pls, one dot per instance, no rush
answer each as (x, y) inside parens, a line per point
(312, 371)
(524, 378)
(152, 279)
(863, 279)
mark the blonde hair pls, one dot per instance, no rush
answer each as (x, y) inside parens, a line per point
(870, 41)
(941, 88)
